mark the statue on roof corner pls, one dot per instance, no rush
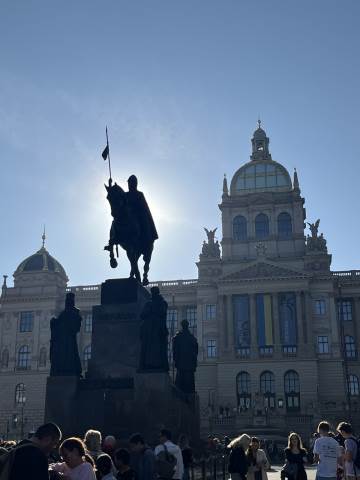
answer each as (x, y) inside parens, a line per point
(315, 242)
(210, 249)
(132, 228)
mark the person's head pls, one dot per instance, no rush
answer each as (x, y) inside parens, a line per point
(294, 441)
(132, 183)
(92, 440)
(47, 437)
(254, 444)
(104, 464)
(165, 435)
(122, 458)
(136, 443)
(155, 291)
(73, 451)
(323, 429)
(243, 441)
(183, 441)
(185, 325)
(345, 429)
(70, 300)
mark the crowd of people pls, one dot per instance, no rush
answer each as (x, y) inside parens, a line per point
(45, 455)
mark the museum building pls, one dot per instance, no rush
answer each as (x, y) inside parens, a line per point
(277, 329)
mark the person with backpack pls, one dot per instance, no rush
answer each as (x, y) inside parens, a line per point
(352, 451)
(169, 458)
(327, 453)
(142, 458)
(29, 459)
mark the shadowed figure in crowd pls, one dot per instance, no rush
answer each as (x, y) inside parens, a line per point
(133, 227)
(64, 354)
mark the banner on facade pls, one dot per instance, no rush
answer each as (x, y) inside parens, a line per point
(241, 320)
(287, 314)
(264, 320)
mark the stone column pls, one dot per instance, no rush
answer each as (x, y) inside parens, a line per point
(221, 323)
(276, 324)
(308, 321)
(335, 334)
(253, 331)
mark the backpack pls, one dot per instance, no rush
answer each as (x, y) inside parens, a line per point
(165, 464)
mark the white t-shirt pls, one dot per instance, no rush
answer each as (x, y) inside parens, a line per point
(84, 471)
(329, 451)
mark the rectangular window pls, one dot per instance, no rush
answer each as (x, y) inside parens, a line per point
(345, 310)
(88, 323)
(211, 349)
(210, 312)
(243, 352)
(323, 344)
(26, 321)
(319, 307)
(191, 317)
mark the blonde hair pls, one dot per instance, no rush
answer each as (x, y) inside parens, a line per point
(92, 440)
(297, 436)
(240, 441)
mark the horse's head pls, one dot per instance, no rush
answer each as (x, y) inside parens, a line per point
(116, 198)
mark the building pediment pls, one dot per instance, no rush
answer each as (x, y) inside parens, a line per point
(264, 271)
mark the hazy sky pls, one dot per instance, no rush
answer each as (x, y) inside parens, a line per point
(180, 85)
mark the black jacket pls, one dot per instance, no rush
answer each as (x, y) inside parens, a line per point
(238, 462)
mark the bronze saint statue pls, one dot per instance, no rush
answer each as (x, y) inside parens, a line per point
(185, 352)
(154, 334)
(133, 227)
(64, 354)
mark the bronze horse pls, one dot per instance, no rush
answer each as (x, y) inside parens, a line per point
(129, 228)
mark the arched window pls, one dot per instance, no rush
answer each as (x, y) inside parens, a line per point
(5, 358)
(353, 385)
(261, 226)
(23, 362)
(243, 391)
(87, 355)
(350, 347)
(292, 390)
(42, 357)
(239, 228)
(20, 394)
(267, 388)
(284, 225)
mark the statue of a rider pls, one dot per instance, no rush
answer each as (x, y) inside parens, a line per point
(132, 228)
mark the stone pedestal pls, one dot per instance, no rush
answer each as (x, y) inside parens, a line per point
(114, 397)
(115, 345)
(60, 402)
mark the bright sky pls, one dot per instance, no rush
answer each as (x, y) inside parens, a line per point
(180, 85)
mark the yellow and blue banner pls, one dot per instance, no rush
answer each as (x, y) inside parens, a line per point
(264, 319)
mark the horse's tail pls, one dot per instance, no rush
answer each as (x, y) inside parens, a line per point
(117, 250)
